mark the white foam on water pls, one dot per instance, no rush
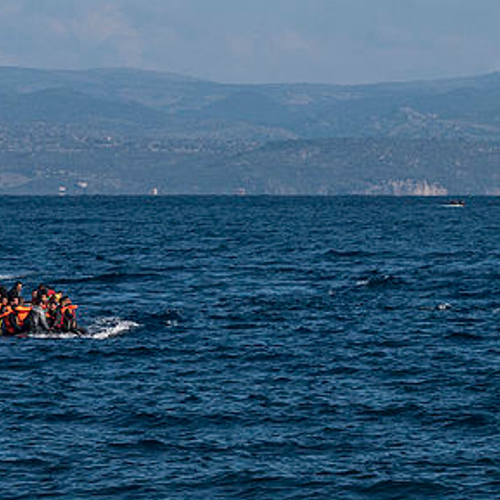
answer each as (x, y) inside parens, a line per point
(53, 335)
(100, 329)
(104, 328)
(9, 277)
(443, 306)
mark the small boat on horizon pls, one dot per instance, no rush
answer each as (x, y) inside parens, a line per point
(455, 203)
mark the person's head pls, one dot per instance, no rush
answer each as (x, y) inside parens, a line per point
(18, 286)
(65, 301)
(43, 297)
(52, 305)
(14, 301)
(4, 300)
(34, 295)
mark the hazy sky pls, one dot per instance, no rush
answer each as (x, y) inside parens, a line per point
(255, 41)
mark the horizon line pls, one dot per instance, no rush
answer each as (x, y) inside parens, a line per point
(189, 77)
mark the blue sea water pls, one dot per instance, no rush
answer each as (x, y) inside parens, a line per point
(281, 348)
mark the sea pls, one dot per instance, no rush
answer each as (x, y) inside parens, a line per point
(255, 348)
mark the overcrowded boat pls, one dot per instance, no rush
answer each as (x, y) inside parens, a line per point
(48, 311)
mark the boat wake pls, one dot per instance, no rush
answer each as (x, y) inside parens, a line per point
(104, 328)
(101, 329)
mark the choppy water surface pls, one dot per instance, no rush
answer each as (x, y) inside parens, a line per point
(255, 348)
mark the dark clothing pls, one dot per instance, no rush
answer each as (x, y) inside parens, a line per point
(51, 318)
(10, 325)
(64, 320)
(13, 292)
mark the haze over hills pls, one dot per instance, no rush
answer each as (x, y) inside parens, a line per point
(129, 131)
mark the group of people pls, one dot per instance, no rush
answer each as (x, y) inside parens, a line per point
(48, 311)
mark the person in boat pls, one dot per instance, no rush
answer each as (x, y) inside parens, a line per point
(65, 317)
(52, 312)
(43, 290)
(10, 325)
(16, 290)
(5, 311)
(43, 298)
(22, 311)
(37, 318)
(4, 301)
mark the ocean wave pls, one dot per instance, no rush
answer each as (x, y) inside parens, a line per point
(8, 277)
(380, 281)
(13, 277)
(392, 489)
(109, 278)
(348, 254)
(262, 370)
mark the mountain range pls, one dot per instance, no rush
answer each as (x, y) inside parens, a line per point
(126, 131)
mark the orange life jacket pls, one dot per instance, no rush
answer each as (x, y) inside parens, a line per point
(71, 307)
(8, 326)
(69, 310)
(5, 311)
(22, 313)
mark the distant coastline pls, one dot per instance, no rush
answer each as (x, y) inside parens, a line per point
(124, 131)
